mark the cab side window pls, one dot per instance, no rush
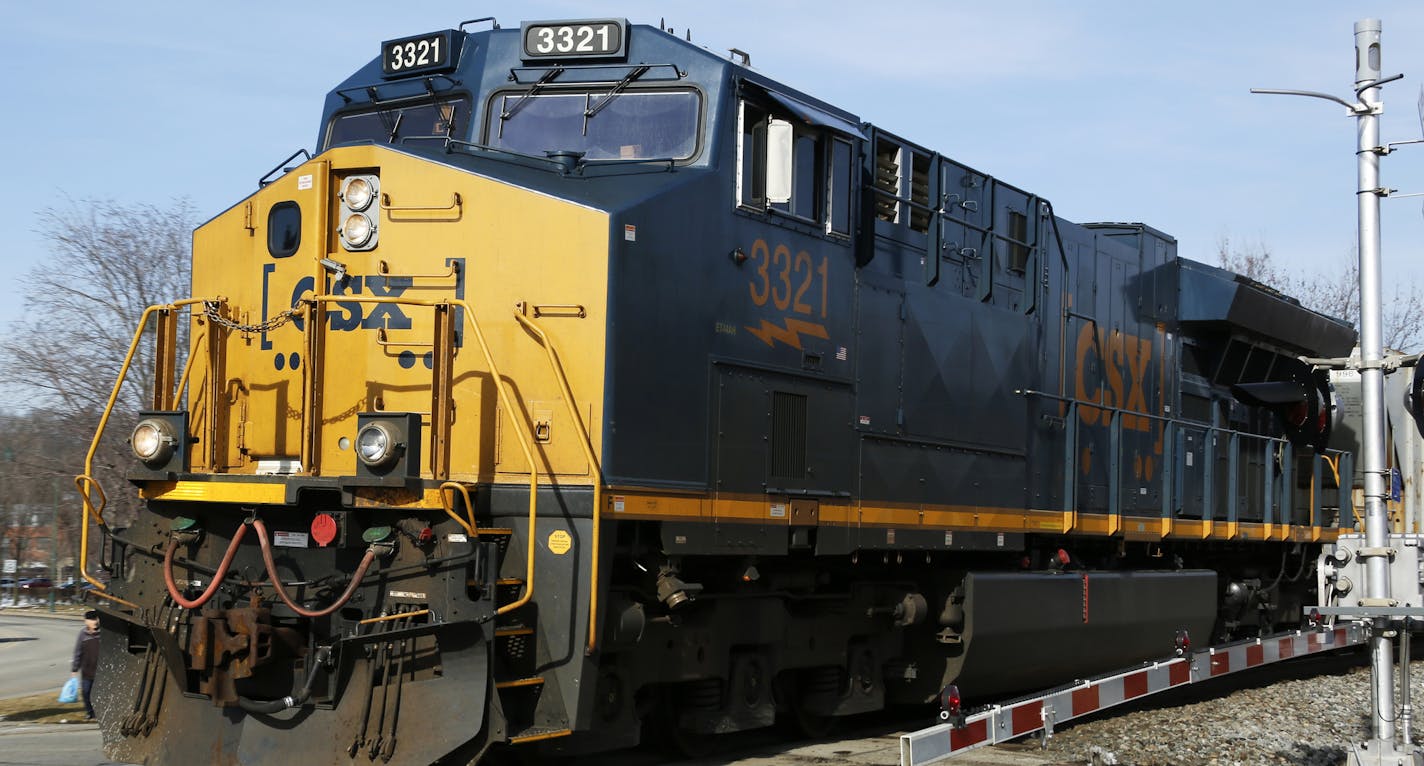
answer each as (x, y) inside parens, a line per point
(838, 203)
(793, 169)
(752, 178)
(807, 177)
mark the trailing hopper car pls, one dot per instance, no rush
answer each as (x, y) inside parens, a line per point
(586, 386)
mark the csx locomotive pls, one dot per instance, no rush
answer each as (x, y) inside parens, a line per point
(585, 383)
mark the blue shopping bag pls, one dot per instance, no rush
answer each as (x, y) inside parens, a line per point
(70, 692)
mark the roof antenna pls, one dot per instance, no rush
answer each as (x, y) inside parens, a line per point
(689, 33)
(662, 27)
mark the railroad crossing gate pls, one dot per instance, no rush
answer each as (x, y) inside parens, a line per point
(1041, 712)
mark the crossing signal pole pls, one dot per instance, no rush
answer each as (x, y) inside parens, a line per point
(1378, 607)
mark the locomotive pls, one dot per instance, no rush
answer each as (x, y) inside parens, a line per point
(586, 385)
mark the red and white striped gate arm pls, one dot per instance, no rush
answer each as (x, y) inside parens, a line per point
(1001, 723)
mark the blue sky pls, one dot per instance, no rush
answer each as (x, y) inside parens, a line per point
(1119, 111)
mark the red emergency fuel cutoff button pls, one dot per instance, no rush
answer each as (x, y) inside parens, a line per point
(323, 529)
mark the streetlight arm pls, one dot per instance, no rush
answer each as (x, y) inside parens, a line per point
(1313, 94)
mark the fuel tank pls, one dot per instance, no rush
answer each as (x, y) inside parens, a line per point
(1024, 631)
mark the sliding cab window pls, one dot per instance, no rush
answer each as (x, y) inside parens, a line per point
(400, 121)
(793, 169)
(626, 125)
(838, 201)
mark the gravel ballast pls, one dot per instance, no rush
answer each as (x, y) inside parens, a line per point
(1305, 721)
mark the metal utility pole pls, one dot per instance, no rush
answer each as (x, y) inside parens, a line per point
(1377, 590)
(1377, 605)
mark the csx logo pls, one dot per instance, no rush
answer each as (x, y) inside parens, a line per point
(1123, 361)
(1115, 354)
(363, 316)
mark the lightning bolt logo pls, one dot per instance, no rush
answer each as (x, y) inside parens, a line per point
(790, 334)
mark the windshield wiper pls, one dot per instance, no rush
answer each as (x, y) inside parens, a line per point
(450, 120)
(627, 80)
(395, 126)
(538, 86)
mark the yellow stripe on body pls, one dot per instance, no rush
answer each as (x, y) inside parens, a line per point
(636, 504)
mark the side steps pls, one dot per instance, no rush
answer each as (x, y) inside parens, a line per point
(532, 710)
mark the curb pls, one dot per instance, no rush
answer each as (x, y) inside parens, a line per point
(39, 611)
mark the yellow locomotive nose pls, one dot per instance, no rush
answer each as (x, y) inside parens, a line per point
(356, 242)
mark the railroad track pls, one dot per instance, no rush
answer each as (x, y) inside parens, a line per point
(1337, 678)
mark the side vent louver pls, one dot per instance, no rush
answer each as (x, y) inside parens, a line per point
(887, 181)
(1018, 237)
(788, 435)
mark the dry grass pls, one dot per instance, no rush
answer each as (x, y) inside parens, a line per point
(41, 708)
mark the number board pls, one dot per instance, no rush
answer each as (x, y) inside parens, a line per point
(422, 53)
(596, 38)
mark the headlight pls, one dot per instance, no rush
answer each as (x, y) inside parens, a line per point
(357, 229)
(357, 193)
(152, 441)
(375, 445)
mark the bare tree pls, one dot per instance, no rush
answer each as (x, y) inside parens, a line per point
(109, 262)
(32, 481)
(1335, 292)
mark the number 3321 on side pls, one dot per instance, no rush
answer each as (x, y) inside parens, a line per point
(423, 53)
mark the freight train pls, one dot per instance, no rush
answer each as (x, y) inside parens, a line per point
(586, 386)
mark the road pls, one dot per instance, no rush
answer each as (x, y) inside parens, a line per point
(51, 745)
(35, 652)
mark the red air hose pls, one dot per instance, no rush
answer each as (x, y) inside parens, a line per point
(217, 576)
(277, 581)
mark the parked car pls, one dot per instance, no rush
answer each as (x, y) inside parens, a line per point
(72, 590)
(36, 583)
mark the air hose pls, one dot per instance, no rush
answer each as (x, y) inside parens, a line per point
(277, 706)
(217, 576)
(282, 593)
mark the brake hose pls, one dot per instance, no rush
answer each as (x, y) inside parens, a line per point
(217, 576)
(277, 706)
(282, 593)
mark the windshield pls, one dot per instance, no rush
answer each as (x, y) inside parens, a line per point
(638, 125)
(391, 124)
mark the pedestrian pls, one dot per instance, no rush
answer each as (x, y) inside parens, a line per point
(85, 664)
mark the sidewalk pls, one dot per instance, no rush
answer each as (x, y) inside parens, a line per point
(41, 609)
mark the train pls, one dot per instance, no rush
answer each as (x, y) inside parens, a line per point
(587, 387)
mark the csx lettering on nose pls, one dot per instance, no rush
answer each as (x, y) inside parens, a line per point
(348, 315)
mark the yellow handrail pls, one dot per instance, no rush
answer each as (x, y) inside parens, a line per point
(389, 617)
(1343, 495)
(502, 389)
(88, 476)
(187, 370)
(504, 398)
(587, 444)
(450, 506)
